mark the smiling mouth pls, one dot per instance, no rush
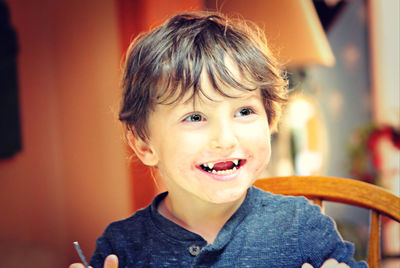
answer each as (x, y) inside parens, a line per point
(223, 168)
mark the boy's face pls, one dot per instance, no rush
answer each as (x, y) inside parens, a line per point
(213, 153)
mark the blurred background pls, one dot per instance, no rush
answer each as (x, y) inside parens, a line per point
(65, 170)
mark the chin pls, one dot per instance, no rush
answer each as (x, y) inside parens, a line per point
(227, 195)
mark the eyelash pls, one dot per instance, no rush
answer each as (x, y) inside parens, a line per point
(197, 117)
(190, 117)
(248, 109)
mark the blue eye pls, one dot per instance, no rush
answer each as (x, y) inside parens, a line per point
(244, 112)
(195, 117)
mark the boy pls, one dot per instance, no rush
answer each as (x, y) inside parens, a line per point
(201, 94)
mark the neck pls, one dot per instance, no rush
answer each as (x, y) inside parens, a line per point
(198, 216)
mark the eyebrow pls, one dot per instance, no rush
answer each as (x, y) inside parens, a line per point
(251, 96)
(245, 96)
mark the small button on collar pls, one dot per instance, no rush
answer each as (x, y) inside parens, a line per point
(194, 250)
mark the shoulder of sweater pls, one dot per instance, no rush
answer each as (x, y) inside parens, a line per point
(139, 218)
(264, 198)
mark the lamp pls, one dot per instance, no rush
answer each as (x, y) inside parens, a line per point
(293, 29)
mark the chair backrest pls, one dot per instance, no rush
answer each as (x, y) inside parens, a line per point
(341, 190)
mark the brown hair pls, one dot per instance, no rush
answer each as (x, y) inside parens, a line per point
(167, 62)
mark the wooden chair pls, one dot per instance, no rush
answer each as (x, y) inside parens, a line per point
(342, 190)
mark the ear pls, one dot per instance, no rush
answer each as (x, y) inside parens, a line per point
(142, 149)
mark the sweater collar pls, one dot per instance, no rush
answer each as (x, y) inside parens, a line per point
(179, 233)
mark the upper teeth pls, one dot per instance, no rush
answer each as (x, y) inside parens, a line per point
(211, 165)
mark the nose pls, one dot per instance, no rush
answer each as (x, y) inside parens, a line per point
(223, 136)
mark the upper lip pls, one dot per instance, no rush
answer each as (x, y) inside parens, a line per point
(220, 160)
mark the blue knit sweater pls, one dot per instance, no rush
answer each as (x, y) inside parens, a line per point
(266, 231)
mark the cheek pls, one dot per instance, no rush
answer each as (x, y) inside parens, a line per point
(263, 155)
(177, 156)
(260, 143)
(258, 136)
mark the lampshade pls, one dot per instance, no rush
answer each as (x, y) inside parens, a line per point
(293, 29)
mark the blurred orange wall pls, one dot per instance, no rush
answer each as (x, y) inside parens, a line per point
(72, 177)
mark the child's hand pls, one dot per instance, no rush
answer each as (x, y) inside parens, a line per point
(331, 263)
(110, 262)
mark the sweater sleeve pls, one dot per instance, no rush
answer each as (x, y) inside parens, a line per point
(319, 240)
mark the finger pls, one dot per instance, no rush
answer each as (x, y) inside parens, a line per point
(307, 265)
(331, 263)
(77, 265)
(111, 261)
(342, 265)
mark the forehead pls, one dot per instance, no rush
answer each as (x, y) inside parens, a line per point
(211, 87)
(224, 91)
